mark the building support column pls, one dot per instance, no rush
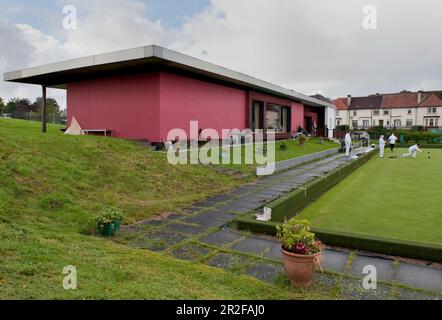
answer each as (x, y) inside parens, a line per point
(43, 109)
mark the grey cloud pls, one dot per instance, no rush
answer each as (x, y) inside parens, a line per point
(306, 45)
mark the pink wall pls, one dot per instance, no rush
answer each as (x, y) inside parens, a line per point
(184, 99)
(297, 116)
(148, 106)
(128, 105)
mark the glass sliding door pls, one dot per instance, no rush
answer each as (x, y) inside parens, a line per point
(258, 115)
(284, 119)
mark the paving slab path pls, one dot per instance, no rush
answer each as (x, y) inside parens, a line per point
(201, 233)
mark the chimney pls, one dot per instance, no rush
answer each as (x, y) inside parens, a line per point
(348, 100)
(419, 96)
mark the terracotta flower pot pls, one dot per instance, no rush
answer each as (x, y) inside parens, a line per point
(300, 268)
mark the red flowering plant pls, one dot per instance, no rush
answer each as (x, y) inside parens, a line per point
(295, 237)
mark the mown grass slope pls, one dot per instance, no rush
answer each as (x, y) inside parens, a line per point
(52, 185)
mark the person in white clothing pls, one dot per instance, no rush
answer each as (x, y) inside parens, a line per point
(412, 151)
(347, 144)
(392, 141)
(381, 146)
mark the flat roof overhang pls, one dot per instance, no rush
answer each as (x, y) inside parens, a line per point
(58, 75)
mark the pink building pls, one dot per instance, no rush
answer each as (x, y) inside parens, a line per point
(145, 92)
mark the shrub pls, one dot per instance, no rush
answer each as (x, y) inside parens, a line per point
(376, 132)
(343, 127)
(419, 136)
(295, 236)
(431, 137)
(418, 128)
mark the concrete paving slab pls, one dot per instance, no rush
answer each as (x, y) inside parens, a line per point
(206, 220)
(220, 238)
(190, 252)
(253, 245)
(220, 214)
(222, 198)
(185, 228)
(265, 272)
(230, 262)
(333, 260)
(234, 208)
(158, 240)
(422, 277)
(275, 252)
(384, 267)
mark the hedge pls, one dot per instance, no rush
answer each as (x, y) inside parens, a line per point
(402, 248)
(408, 136)
(407, 249)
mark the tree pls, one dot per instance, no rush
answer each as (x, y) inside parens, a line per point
(2, 106)
(52, 108)
(51, 105)
(11, 106)
(23, 105)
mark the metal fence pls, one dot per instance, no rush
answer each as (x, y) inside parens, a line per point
(55, 118)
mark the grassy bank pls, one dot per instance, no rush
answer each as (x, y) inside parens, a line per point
(52, 185)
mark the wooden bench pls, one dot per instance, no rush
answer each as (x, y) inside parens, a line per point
(98, 132)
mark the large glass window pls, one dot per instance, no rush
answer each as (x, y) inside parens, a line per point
(354, 124)
(432, 122)
(277, 118)
(258, 115)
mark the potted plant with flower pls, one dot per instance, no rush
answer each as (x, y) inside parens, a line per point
(109, 221)
(302, 139)
(300, 251)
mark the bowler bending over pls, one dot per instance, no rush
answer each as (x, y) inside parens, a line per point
(412, 151)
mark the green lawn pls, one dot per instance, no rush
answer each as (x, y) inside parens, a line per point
(293, 150)
(391, 198)
(312, 145)
(52, 185)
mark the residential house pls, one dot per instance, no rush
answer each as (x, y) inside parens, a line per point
(392, 110)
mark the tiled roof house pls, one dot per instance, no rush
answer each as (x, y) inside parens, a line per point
(401, 110)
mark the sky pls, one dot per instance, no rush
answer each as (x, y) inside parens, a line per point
(310, 46)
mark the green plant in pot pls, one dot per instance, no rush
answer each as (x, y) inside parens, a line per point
(300, 251)
(302, 139)
(109, 221)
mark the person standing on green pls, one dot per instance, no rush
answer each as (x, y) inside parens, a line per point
(392, 141)
(381, 146)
